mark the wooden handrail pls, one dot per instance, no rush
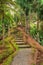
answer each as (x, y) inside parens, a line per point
(30, 40)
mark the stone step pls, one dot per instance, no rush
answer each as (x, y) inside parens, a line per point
(19, 40)
(19, 43)
(23, 46)
(18, 35)
(38, 60)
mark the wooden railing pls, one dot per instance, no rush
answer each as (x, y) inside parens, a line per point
(33, 43)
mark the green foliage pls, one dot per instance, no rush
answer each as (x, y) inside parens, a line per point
(11, 12)
(0, 25)
(25, 5)
(41, 37)
(33, 30)
(8, 60)
(41, 12)
(7, 52)
(41, 63)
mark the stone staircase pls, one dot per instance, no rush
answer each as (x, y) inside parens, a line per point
(24, 55)
(21, 44)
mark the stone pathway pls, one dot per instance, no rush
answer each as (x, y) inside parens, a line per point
(24, 57)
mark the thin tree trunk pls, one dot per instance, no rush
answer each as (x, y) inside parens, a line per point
(38, 31)
(8, 30)
(27, 25)
(3, 32)
(3, 28)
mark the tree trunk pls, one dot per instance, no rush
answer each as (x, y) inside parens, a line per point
(8, 30)
(38, 31)
(3, 32)
(27, 25)
(3, 27)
